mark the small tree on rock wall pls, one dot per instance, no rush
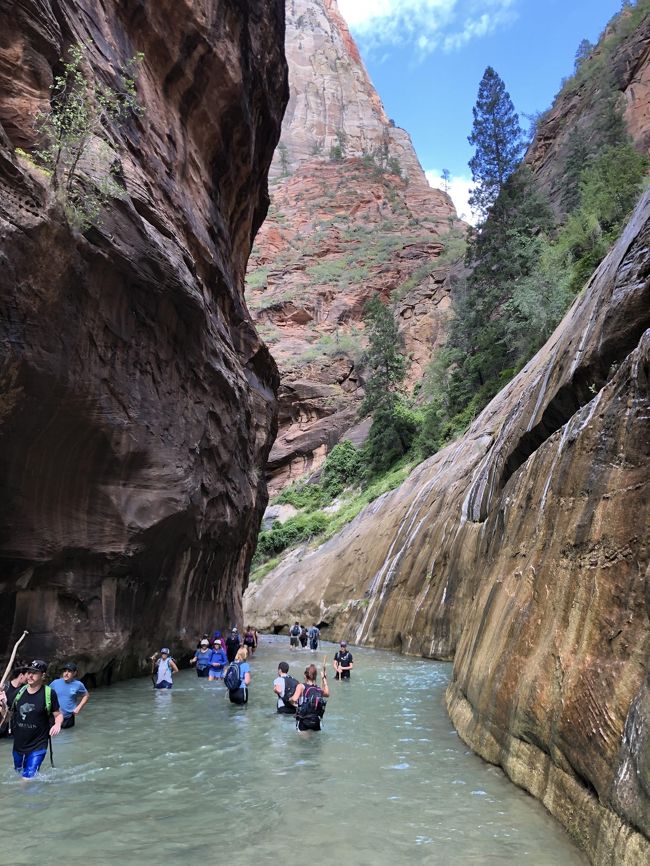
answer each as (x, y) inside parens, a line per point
(79, 110)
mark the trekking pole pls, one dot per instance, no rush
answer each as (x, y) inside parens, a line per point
(13, 656)
(4, 710)
(49, 739)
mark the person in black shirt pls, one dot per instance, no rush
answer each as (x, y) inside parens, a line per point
(31, 721)
(343, 662)
(232, 645)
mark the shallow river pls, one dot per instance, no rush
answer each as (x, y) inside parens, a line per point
(183, 777)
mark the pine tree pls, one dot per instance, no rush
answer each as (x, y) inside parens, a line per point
(383, 358)
(498, 139)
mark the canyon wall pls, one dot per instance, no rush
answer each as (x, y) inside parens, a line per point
(352, 216)
(522, 550)
(137, 402)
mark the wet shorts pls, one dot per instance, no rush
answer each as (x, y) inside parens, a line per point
(28, 765)
(238, 696)
(293, 641)
(163, 685)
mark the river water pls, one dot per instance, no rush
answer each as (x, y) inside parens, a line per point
(181, 777)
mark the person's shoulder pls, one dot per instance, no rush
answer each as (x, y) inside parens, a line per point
(80, 687)
(59, 681)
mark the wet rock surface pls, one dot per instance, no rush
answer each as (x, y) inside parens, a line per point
(137, 402)
(522, 551)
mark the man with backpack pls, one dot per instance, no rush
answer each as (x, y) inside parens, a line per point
(284, 687)
(310, 700)
(313, 635)
(32, 710)
(294, 635)
(343, 662)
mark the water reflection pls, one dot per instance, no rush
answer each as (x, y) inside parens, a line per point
(156, 777)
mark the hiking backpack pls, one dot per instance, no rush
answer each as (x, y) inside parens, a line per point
(290, 686)
(232, 677)
(295, 630)
(312, 705)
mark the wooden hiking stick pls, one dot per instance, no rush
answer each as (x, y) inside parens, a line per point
(4, 707)
(322, 673)
(13, 656)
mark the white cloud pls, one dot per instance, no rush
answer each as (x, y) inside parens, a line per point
(426, 25)
(458, 188)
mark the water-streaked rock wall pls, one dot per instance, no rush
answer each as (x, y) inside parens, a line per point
(522, 549)
(137, 402)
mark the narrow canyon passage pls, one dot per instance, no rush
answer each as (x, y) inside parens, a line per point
(178, 777)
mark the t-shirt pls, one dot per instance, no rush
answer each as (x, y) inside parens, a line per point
(69, 694)
(345, 659)
(244, 668)
(31, 722)
(203, 658)
(281, 683)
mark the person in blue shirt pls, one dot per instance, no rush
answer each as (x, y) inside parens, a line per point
(240, 695)
(72, 694)
(202, 659)
(218, 662)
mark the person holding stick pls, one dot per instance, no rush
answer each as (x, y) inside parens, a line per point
(343, 662)
(31, 722)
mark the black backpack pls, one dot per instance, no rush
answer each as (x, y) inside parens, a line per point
(312, 704)
(232, 677)
(290, 686)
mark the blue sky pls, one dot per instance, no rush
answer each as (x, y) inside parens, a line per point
(427, 57)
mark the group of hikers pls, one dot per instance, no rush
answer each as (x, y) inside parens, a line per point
(298, 634)
(33, 712)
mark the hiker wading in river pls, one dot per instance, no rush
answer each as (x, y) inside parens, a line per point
(309, 698)
(31, 722)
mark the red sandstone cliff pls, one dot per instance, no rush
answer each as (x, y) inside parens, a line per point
(137, 402)
(352, 216)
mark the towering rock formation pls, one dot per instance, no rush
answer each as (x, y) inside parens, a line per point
(137, 405)
(352, 216)
(619, 67)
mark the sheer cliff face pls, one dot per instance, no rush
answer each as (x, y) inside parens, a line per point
(522, 549)
(340, 231)
(136, 400)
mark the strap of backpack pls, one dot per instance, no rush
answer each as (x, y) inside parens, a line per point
(19, 695)
(48, 699)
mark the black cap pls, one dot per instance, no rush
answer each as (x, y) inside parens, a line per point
(70, 666)
(37, 665)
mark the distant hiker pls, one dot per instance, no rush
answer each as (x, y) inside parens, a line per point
(343, 663)
(250, 640)
(163, 670)
(313, 635)
(217, 636)
(72, 694)
(202, 658)
(206, 636)
(31, 720)
(311, 700)
(284, 687)
(233, 644)
(303, 636)
(12, 687)
(218, 662)
(238, 677)
(294, 634)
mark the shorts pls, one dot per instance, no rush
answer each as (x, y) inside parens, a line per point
(163, 685)
(202, 672)
(28, 765)
(293, 641)
(238, 696)
(68, 721)
(215, 675)
(287, 710)
(308, 724)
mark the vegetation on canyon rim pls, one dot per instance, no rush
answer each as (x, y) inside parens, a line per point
(524, 267)
(71, 134)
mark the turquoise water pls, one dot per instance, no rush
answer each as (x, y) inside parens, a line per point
(178, 777)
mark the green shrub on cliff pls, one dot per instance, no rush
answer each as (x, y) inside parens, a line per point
(71, 133)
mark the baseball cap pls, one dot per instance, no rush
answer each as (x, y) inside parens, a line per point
(205, 642)
(37, 665)
(234, 629)
(70, 666)
(343, 643)
(166, 650)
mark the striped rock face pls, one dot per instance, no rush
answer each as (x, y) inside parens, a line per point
(137, 402)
